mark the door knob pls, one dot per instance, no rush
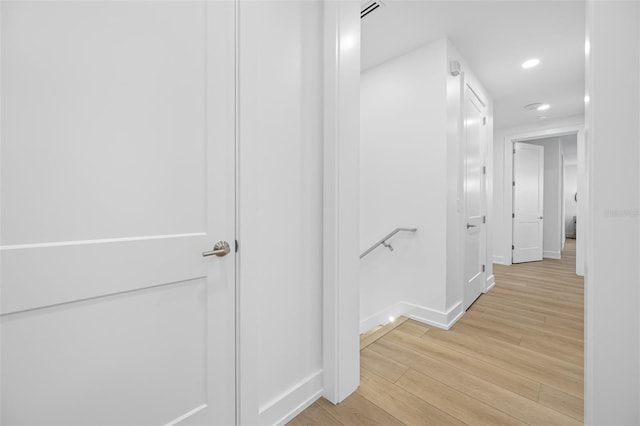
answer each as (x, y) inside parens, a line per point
(221, 248)
(471, 226)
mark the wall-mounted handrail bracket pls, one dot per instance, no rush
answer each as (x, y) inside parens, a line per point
(383, 242)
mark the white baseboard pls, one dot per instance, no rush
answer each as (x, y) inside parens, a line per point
(444, 320)
(500, 260)
(278, 411)
(548, 254)
(491, 282)
(382, 317)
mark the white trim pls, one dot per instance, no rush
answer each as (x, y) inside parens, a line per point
(491, 282)
(302, 395)
(341, 262)
(500, 260)
(444, 320)
(549, 254)
(429, 316)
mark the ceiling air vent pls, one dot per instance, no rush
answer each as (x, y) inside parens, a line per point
(369, 7)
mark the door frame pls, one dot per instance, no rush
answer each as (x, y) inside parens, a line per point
(341, 257)
(577, 130)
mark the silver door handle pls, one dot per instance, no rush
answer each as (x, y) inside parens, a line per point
(471, 226)
(221, 248)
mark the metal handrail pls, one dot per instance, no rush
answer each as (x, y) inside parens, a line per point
(383, 241)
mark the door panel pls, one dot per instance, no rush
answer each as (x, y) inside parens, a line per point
(528, 196)
(475, 138)
(110, 367)
(120, 89)
(118, 171)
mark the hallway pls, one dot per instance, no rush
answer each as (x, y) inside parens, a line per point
(516, 357)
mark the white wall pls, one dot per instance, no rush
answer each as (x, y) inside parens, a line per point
(502, 176)
(612, 328)
(410, 171)
(280, 147)
(402, 168)
(570, 189)
(569, 146)
(553, 221)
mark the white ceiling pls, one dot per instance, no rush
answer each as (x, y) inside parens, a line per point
(494, 37)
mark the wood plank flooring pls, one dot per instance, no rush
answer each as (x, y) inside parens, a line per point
(516, 357)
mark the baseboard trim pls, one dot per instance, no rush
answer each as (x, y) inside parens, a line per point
(382, 317)
(500, 260)
(443, 320)
(301, 396)
(491, 282)
(548, 254)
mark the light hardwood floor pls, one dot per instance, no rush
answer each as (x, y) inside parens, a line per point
(516, 357)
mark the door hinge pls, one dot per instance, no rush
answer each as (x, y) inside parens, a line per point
(513, 183)
(514, 150)
(513, 247)
(483, 268)
(513, 215)
(484, 170)
(484, 121)
(236, 246)
(484, 219)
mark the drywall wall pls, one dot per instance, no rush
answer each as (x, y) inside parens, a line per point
(552, 213)
(569, 144)
(410, 171)
(402, 169)
(280, 148)
(502, 177)
(571, 206)
(612, 327)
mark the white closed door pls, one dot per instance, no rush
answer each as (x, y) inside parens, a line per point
(117, 174)
(528, 197)
(475, 137)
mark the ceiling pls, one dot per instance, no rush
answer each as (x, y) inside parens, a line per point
(495, 38)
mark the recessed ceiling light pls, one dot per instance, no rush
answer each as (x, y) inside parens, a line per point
(587, 99)
(533, 106)
(543, 107)
(530, 63)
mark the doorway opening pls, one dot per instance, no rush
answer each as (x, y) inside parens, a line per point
(494, 186)
(562, 180)
(544, 196)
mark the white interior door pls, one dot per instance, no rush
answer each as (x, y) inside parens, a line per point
(475, 137)
(117, 174)
(528, 196)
